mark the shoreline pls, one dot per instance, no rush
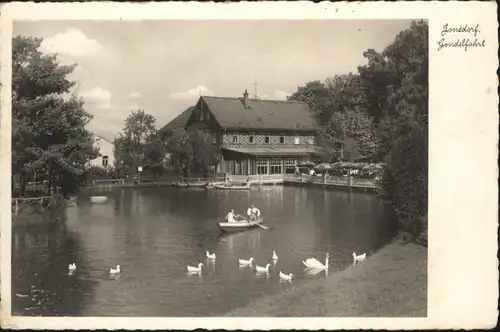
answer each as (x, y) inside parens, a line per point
(390, 283)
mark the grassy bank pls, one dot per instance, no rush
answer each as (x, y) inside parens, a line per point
(391, 283)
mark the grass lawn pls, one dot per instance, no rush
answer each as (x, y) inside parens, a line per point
(391, 283)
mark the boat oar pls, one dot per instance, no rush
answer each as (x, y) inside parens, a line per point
(262, 226)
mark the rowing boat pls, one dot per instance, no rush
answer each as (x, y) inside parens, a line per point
(231, 187)
(239, 225)
(197, 184)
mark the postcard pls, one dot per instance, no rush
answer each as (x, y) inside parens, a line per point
(260, 165)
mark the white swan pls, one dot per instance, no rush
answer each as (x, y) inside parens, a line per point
(261, 269)
(358, 258)
(275, 257)
(210, 256)
(72, 267)
(115, 271)
(195, 269)
(244, 262)
(315, 264)
(286, 277)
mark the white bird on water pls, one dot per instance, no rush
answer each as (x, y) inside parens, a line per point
(358, 258)
(115, 271)
(261, 269)
(313, 263)
(194, 268)
(210, 256)
(286, 277)
(244, 262)
(275, 257)
(72, 267)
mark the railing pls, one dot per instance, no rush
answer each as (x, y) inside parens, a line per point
(333, 180)
(30, 208)
(108, 181)
(260, 178)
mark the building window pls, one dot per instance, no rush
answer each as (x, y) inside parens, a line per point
(296, 140)
(262, 167)
(267, 139)
(282, 139)
(276, 166)
(251, 138)
(201, 116)
(104, 161)
(236, 139)
(290, 166)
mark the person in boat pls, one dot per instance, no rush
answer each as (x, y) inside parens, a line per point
(254, 213)
(230, 216)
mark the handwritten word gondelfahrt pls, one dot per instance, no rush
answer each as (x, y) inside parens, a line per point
(458, 42)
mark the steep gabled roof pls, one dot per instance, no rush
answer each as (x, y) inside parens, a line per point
(179, 121)
(231, 113)
(102, 137)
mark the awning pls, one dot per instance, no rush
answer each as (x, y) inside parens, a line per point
(272, 151)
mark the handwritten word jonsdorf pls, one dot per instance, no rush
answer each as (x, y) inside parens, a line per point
(460, 42)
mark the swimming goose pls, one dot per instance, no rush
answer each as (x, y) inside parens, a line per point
(275, 257)
(195, 269)
(286, 277)
(358, 258)
(210, 256)
(115, 271)
(72, 267)
(315, 264)
(244, 262)
(261, 269)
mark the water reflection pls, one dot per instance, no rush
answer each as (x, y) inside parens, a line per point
(153, 233)
(41, 282)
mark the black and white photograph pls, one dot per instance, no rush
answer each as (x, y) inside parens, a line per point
(220, 168)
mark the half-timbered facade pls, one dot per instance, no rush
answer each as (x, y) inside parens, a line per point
(257, 136)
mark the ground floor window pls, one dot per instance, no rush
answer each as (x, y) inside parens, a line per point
(290, 165)
(262, 167)
(276, 166)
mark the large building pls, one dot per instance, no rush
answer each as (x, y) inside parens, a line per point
(256, 136)
(106, 156)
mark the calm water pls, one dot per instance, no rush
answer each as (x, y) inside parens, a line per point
(154, 233)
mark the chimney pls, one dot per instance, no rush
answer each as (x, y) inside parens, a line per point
(245, 98)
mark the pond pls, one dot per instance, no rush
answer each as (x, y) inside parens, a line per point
(153, 233)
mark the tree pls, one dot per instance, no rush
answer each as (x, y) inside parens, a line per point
(396, 85)
(138, 132)
(48, 128)
(192, 151)
(339, 104)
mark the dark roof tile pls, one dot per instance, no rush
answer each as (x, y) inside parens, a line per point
(261, 114)
(179, 121)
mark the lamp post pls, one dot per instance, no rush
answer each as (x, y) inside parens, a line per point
(139, 170)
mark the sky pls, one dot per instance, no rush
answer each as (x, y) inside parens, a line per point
(163, 67)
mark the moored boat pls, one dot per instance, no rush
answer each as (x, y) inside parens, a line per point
(197, 184)
(239, 225)
(98, 199)
(232, 187)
